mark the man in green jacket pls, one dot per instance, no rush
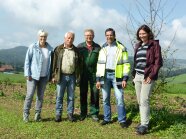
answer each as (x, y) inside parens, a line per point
(89, 50)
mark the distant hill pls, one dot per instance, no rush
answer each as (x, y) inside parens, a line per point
(14, 56)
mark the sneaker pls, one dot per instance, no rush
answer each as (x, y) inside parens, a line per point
(58, 118)
(71, 117)
(82, 117)
(25, 117)
(95, 118)
(137, 126)
(123, 125)
(37, 117)
(142, 130)
(105, 122)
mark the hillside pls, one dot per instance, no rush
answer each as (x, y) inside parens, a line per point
(14, 56)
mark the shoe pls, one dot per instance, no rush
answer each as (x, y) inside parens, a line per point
(82, 117)
(37, 117)
(105, 122)
(71, 117)
(95, 118)
(58, 118)
(142, 130)
(123, 125)
(137, 126)
(25, 117)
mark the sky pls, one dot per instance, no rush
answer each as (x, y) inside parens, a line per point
(20, 21)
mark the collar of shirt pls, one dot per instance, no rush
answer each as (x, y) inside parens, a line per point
(67, 47)
(112, 44)
(89, 47)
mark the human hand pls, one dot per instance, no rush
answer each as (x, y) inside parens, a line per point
(29, 78)
(124, 84)
(98, 85)
(53, 80)
(147, 80)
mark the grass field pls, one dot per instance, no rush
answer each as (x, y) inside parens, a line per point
(177, 85)
(12, 78)
(168, 116)
(180, 79)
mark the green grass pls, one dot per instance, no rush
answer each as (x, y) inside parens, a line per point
(167, 116)
(177, 85)
(180, 79)
(12, 78)
(12, 126)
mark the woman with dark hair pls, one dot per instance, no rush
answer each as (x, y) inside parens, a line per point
(147, 62)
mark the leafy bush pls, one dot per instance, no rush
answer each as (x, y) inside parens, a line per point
(2, 94)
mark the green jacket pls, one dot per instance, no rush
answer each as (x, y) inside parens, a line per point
(57, 59)
(89, 58)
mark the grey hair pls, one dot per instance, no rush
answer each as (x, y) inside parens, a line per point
(69, 32)
(89, 30)
(42, 32)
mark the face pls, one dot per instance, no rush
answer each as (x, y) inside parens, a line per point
(89, 36)
(143, 36)
(42, 40)
(69, 39)
(110, 37)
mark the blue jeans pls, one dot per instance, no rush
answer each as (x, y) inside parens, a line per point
(67, 81)
(110, 81)
(31, 87)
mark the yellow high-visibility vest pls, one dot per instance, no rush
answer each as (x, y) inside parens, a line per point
(122, 65)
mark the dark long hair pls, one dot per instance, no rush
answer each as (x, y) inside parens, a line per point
(147, 30)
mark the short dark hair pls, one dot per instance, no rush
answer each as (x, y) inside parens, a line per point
(147, 30)
(110, 29)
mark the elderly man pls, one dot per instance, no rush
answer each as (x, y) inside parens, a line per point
(112, 71)
(66, 67)
(90, 51)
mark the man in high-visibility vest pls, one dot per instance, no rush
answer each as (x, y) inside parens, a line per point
(112, 71)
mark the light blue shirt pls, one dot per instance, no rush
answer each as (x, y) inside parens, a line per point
(34, 59)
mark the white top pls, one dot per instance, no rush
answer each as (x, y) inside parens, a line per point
(111, 54)
(45, 62)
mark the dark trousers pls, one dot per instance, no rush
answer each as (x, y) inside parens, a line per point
(89, 78)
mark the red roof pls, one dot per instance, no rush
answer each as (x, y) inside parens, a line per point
(6, 67)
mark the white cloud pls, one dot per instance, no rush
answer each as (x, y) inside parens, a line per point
(180, 29)
(59, 16)
(61, 13)
(175, 37)
(1, 41)
(37, 11)
(8, 44)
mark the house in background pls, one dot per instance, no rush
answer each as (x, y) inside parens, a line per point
(6, 68)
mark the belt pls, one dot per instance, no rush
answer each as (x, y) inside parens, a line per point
(110, 70)
(67, 73)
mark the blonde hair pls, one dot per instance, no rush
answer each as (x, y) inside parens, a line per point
(42, 32)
